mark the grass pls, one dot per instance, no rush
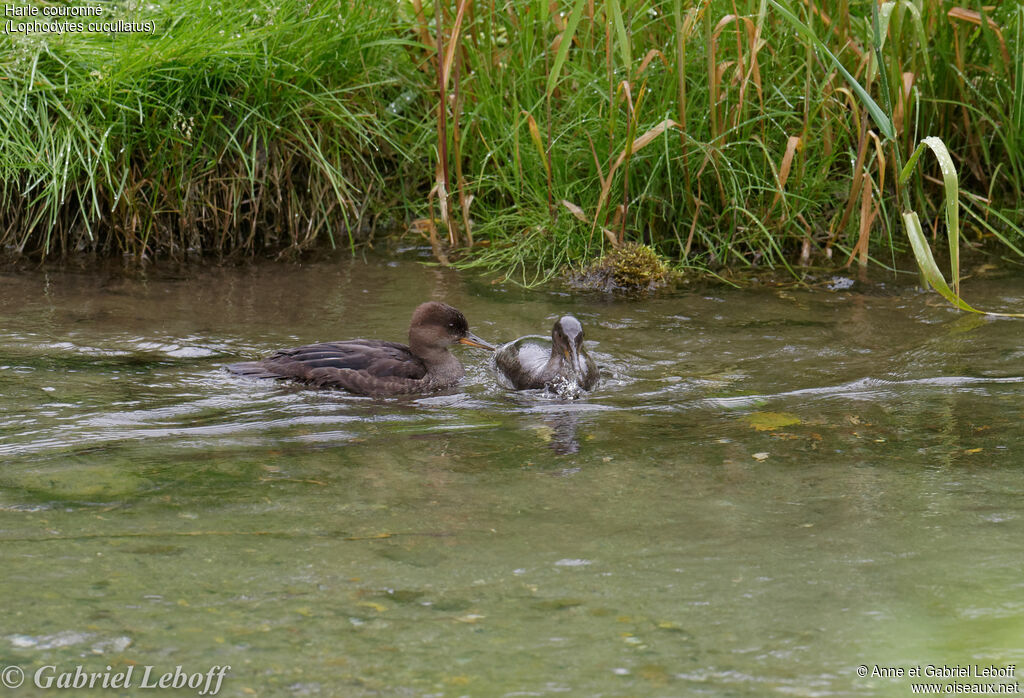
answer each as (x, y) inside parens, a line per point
(233, 128)
(721, 137)
(518, 138)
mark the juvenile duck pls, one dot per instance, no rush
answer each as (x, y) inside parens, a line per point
(376, 367)
(560, 364)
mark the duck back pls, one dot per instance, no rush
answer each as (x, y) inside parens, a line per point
(524, 362)
(364, 366)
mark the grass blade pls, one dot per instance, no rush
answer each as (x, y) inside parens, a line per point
(925, 260)
(952, 194)
(912, 226)
(563, 47)
(625, 49)
(877, 114)
(538, 141)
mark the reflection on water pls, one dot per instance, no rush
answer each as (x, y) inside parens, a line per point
(768, 489)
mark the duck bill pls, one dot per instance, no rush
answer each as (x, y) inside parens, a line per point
(471, 340)
(577, 363)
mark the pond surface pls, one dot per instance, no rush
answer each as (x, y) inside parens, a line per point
(769, 489)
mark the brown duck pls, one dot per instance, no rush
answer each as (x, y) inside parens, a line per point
(376, 367)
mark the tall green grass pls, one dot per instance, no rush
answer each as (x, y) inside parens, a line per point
(717, 134)
(234, 127)
(522, 137)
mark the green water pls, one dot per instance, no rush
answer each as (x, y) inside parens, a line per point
(769, 489)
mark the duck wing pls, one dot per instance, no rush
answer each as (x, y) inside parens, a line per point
(591, 373)
(364, 366)
(524, 362)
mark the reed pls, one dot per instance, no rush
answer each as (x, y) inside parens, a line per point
(715, 133)
(887, 119)
(520, 137)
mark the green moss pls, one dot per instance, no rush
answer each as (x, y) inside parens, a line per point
(630, 268)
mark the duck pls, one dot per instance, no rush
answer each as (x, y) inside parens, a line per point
(375, 367)
(560, 364)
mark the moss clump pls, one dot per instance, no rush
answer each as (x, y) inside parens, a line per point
(630, 268)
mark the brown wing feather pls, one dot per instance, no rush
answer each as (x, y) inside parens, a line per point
(362, 384)
(363, 366)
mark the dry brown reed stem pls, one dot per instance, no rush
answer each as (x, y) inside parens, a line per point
(441, 173)
(962, 14)
(747, 66)
(684, 28)
(856, 182)
(958, 16)
(538, 143)
(630, 130)
(902, 106)
(446, 61)
(842, 27)
(693, 227)
(460, 180)
(793, 144)
(714, 78)
(867, 216)
(422, 28)
(870, 206)
(547, 150)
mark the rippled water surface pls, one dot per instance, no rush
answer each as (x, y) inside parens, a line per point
(769, 489)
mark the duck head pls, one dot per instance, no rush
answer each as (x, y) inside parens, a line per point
(435, 326)
(567, 338)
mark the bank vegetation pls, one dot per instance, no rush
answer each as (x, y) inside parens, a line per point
(522, 137)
